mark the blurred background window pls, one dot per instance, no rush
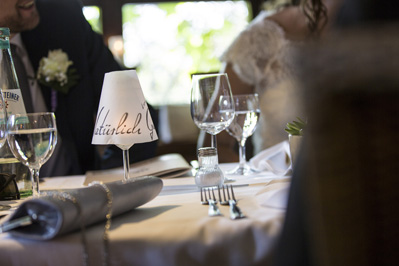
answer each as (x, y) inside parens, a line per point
(167, 42)
(93, 16)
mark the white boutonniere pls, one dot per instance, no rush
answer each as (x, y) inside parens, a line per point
(55, 71)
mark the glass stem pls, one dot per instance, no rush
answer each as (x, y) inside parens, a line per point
(213, 141)
(241, 152)
(126, 165)
(34, 175)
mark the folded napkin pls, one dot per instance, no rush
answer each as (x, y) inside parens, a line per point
(60, 212)
(275, 159)
(274, 194)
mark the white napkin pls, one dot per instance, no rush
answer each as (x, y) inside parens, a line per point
(275, 194)
(273, 159)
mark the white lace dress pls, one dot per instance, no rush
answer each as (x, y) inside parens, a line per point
(261, 56)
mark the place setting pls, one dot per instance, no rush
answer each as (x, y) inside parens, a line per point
(214, 109)
(118, 122)
(49, 213)
(108, 206)
(102, 208)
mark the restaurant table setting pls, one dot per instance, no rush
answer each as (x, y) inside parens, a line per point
(160, 211)
(167, 226)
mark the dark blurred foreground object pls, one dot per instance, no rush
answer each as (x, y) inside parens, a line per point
(363, 12)
(344, 202)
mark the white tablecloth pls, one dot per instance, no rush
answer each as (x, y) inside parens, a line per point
(172, 229)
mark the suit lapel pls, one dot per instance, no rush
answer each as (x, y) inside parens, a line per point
(36, 51)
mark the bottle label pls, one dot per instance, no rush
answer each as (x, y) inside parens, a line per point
(13, 102)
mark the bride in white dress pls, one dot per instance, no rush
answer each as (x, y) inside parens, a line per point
(261, 60)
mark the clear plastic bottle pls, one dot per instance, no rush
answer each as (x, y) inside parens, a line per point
(209, 173)
(14, 104)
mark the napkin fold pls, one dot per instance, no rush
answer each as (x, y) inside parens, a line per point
(274, 194)
(275, 159)
(56, 213)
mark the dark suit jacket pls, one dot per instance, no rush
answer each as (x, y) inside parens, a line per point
(63, 26)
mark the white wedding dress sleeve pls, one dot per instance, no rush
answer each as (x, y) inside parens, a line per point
(262, 56)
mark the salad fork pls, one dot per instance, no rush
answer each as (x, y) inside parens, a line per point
(211, 201)
(235, 212)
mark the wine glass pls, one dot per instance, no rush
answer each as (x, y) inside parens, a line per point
(126, 162)
(212, 107)
(32, 139)
(243, 126)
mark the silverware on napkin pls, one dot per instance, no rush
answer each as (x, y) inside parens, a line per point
(60, 212)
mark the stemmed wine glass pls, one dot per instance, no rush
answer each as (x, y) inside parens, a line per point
(212, 107)
(243, 126)
(32, 139)
(126, 162)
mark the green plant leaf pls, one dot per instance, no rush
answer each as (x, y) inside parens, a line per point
(296, 127)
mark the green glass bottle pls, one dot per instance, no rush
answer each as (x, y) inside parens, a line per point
(14, 104)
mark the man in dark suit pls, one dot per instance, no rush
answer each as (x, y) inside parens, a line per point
(45, 25)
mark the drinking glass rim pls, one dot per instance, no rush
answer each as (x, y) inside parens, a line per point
(13, 118)
(31, 114)
(208, 75)
(245, 95)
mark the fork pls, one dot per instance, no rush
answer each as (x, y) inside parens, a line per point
(211, 201)
(235, 212)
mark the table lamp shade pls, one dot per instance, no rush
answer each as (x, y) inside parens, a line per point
(123, 116)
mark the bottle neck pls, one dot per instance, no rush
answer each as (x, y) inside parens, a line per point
(8, 75)
(4, 39)
(207, 157)
(9, 84)
(4, 43)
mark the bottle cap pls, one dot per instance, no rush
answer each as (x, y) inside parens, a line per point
(208, 151)
(4, 32)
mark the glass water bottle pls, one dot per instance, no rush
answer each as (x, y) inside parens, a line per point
(14, 104)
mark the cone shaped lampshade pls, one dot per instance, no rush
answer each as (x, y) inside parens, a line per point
(123, 116)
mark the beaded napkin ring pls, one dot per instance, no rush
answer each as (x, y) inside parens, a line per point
(108, 217)
(68, 197)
